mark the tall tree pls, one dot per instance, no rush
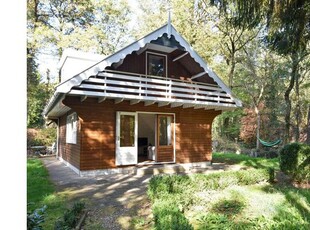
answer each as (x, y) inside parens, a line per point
(287, 24)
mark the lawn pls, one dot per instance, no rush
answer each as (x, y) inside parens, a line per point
(41, 191)
(245, 160)
(229, 200)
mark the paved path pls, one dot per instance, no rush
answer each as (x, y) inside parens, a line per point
(112, 200)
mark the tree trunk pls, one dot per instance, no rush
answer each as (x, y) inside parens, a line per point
(308, 127)
(288, 100)
(258, 128)
(232, 67)
(298, 112)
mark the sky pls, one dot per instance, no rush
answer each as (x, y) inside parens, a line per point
(46, 61)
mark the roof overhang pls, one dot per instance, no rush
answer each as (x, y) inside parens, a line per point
(65, 87)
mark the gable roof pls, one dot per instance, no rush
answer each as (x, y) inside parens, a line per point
(65, 87)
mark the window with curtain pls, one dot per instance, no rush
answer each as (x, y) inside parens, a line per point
(71, 128)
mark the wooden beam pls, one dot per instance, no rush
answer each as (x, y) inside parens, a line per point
(210, 107)
(161, 104)
(101, 99)
(147, 103)
(179, 57)
(119, 100)
(188, 106)
(176, 104)
(198, 75)
(133, 102)
(199, 106)
(83, 98)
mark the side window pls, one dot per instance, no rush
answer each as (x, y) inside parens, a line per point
(156, 65)
(71, 128)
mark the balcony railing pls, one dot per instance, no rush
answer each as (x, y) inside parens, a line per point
(153, 89)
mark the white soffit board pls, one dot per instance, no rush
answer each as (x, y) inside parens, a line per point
(76, 80)
(202, 63)
(121, 54)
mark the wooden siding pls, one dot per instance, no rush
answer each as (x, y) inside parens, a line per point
(135, 63)
(97, 131)
(68, 152)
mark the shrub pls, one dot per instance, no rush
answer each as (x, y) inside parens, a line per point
(168, 216)
(36, 218)
(70, 217)
(38, 137)
(162, 185)
(295, 161)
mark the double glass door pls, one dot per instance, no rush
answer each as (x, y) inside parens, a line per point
(127, 138)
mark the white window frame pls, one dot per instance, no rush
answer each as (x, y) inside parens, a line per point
(156, 54)
(71, 128)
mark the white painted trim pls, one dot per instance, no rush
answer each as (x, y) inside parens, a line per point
(76, 80)
(101, 99)
(133, 102)
(174, 134)
(65, 87)
(57, 138)
(118, 100)
(119, 150)
(156, 54)
(204, 65)
(149, 100)
(76, 170)
(83, 98)
(179, 57)
(198, 75)
(147, 103)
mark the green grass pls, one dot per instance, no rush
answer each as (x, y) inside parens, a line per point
(41, 191)
(245, 160)
(229, 200)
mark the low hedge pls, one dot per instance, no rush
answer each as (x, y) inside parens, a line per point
(162, 185)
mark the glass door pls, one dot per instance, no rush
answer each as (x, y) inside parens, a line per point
(165, 131)
(126, 138)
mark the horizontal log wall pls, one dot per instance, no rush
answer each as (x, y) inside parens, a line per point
(98, 121)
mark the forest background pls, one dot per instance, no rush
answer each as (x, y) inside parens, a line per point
(259, 48)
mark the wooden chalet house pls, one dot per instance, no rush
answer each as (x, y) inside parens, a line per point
(152, 102)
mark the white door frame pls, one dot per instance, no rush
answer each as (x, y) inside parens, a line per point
(127, 155)
(174, 127)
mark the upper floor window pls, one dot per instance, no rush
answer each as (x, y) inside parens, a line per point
(156, 64)
(71, 128)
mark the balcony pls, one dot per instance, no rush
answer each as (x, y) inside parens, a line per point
(137, 88)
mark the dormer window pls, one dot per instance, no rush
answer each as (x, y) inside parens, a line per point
(156, 64)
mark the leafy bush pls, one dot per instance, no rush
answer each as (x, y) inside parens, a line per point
(214, 221)
(295, 161)
(168, 216)
(36, 218)
(162, 185)
(70, 217)
(41, 137)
